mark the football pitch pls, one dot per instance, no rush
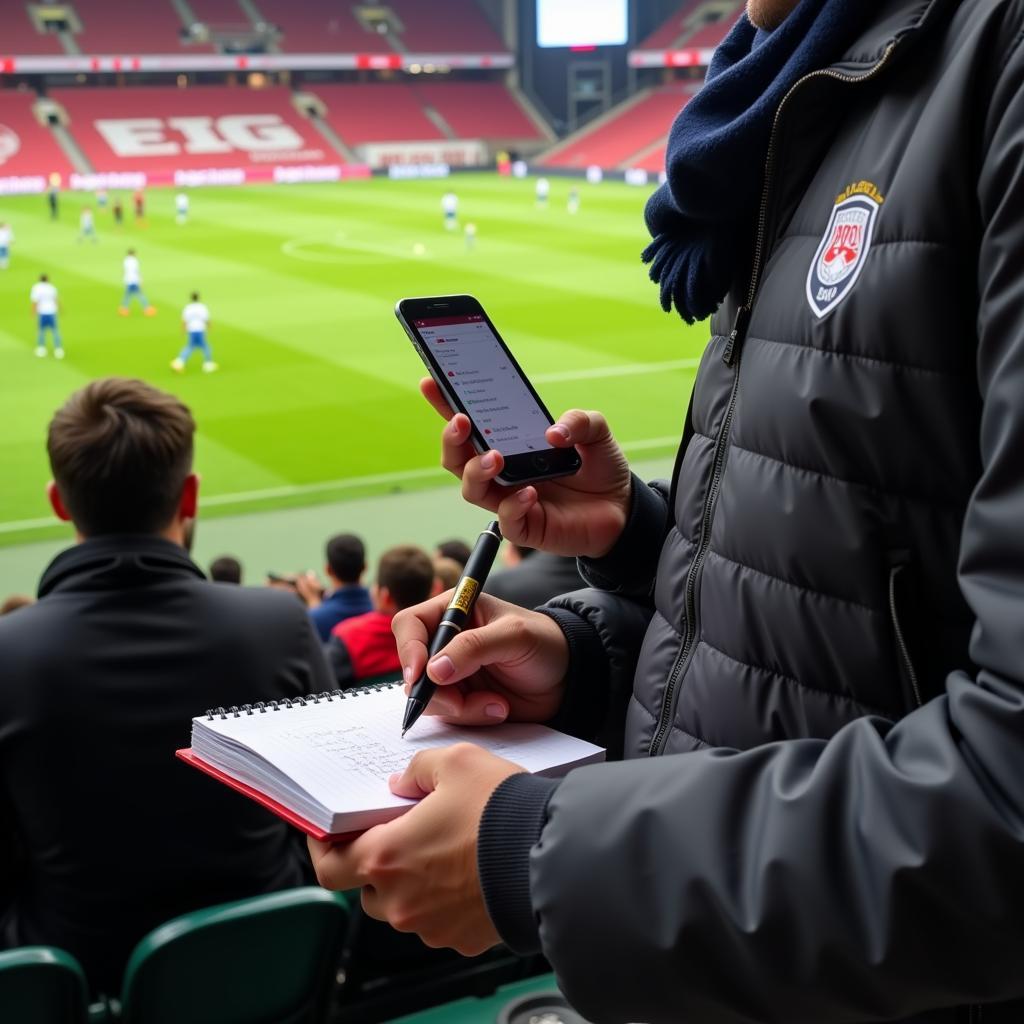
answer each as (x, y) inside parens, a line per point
(316, 397)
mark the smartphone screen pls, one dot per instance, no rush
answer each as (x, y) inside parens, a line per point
(490, 387)
(479, 376)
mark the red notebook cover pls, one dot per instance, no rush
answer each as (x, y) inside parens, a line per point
(263, 800)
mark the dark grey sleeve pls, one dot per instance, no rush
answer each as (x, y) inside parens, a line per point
(869, 877)
(339, 664)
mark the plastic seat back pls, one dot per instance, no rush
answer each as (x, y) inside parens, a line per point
(42, 985)
(267, 960)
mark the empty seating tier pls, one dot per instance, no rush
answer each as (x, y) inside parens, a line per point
(379, 112)
(128, 29)
(26, 146)
(160, 128)
(321, 26)
(636, 126)
(479, 110)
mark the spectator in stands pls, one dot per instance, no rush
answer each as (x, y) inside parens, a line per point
(346, 563)
(226, 569)
(15, 602)
(533, 577)
(102, 833)
(447, 572)
(457, 549)
(364, 647)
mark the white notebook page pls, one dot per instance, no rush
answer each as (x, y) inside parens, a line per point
(340, 753)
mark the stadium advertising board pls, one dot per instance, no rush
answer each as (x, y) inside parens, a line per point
(454, 153)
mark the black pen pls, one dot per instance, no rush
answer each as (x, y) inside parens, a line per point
(455, 617)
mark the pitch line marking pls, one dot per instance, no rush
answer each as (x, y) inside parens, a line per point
(296, 490)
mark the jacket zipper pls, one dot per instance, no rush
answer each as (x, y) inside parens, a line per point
(731, 355)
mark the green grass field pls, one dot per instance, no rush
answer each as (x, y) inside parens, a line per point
(316, 396)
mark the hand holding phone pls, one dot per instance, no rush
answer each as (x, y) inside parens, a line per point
(583, 514)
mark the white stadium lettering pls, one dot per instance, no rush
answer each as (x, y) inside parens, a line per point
(259, 132)
(200, 135)
(137, 136)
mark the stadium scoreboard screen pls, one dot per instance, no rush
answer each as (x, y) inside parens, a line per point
(587, 23)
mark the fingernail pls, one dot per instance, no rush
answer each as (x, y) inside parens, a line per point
(407, 673)
(442, 668)
(494, 711)
(489, 460)
(562, 431)
(394, 778)
(524, 496)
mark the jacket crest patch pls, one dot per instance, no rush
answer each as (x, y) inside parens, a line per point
(840, 257)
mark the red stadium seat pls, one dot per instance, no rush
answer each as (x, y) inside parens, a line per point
(321, 26)
(129, 29)
(377, 112)
(463, 29)
(26, 146)
(478, 110)
(20, 36)
(637, 126)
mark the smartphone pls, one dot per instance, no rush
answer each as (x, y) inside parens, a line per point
(276, 577)
(480, 377)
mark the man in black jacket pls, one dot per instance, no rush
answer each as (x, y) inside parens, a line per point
(103, 834)
(820, 819)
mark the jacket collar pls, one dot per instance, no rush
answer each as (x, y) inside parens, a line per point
(895, 22)
(117, 562)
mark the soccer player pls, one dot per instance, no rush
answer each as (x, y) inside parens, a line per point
(450, 206)
(86, 225)
(139, 198)
(44, 304)
(195, 320)
(181, 203)
(53, 196)
(543, 191)
(470, 233)
(133, 287)
(118, 210)
(574, 200)
(6, 237)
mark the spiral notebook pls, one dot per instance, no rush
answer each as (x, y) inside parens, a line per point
(323, 762)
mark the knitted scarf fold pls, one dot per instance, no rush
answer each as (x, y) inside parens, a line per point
(700, 218)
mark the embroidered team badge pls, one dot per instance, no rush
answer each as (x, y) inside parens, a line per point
(840, 257)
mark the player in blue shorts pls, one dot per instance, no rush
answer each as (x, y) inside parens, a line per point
(195, 320)
(45, 306)
(133, 287)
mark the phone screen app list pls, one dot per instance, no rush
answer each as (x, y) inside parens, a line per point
(493, 392)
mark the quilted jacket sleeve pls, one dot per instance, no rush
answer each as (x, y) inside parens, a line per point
(868, 877)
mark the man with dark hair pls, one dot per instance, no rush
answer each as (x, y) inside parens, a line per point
(226, 569)
(809, 644)
(456, 549)
(346, 563)
(101, 677)
(364, 647)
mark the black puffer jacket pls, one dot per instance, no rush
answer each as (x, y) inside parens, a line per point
(836, 626)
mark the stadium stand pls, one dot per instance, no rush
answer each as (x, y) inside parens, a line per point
(376, 112)
(207, 126)
(632, 128)
(697, 24)
(26, 146)
(107, 28)
(478, 110)
(219, 12)
(321, 26)
(21, 36)
(653, 161)
(463, 29)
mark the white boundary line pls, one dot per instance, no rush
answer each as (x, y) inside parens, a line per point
(295, 490)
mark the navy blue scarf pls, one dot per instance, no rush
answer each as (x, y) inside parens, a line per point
(700, 219)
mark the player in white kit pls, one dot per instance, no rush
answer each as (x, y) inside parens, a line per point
(543, 191)
(133, 286)
(195, 321)
(86, 226)
(6, 237)
(44, 303)
(181, 204)
(450, 206)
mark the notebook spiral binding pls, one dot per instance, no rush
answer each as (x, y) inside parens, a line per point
(262, 707)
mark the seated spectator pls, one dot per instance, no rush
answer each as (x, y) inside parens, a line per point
(364, 647)
(14, 602)
(533, 577)
(226, 570)
(456, 549)
(346, 563)
(447, 573)
(103, 834)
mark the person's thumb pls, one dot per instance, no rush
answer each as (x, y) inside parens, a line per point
(503, 640)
